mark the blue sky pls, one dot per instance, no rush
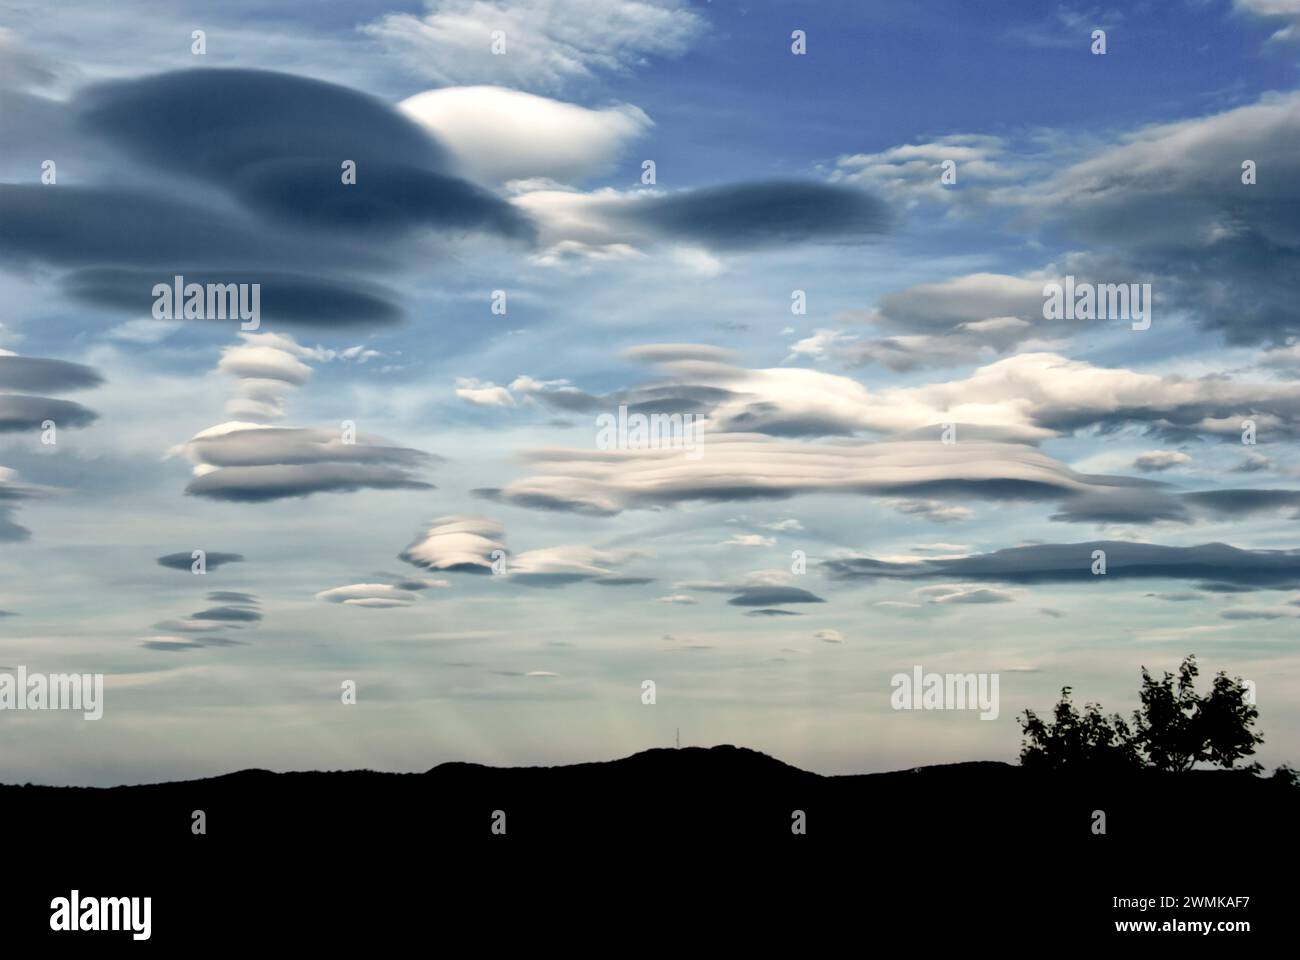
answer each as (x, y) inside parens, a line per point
(521, 172)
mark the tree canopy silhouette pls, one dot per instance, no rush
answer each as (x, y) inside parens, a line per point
(1174, 728)
(1072, 739)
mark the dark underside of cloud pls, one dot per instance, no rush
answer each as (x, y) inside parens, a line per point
(475, 568)
(75, 225)
(285, 298)
(185, 561)
(40, 375)
(1244, 287)
(25, 411)
(19, 412)
(744, 215)
(233, 610)
(1154, 208)
(12, 493)
(211, 124)
(238, 614)
(231, 596)
(1149, 506)
(1235, 503)
(260, 484)
(392, 197)
(11, 532)
(184, 646)
(1074, 563)
(548, 580)
(768, 596)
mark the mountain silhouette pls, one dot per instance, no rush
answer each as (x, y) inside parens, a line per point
(963, 845)
(716, 793)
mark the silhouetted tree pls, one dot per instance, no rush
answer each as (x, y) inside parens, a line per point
(1228, 719)
(1177, 729)
(1166, 727)
(1174, 728)
(1285, 776)
(1071, 740)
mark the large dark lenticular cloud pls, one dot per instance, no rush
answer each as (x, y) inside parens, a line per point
(395, 197)
(213, 124)
(19, 413)
(84, 226)
(257, 465)
(228, 613)
(295, 299)
(278, 143)
(1073, 563)
(233, 596)
(12, 493)
(38, 374)
(743, 215)
(212, 559)
(763, 595)
(122, 241)
(1169, 202)
(261, 484)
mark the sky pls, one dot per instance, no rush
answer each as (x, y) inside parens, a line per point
(403, 479)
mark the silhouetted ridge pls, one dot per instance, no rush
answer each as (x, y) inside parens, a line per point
(720, 794)
(721, 759)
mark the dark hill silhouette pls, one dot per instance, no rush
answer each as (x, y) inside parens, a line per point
(987, 851)
(716, 794)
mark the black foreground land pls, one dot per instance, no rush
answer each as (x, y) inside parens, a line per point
(1013, 846)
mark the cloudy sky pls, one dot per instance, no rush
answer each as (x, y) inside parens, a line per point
(798, 276)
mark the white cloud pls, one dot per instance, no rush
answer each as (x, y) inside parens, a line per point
(253, 462)
(1287, 11)
(964, 593)
(368, 595)
(819, 345)
(788, 524)
(913, 171)
(935, 511)
(144, 330)
(483, 393)
(765, 435)
(500, 135)
(264, 363)
(1030, 398)
(751, 465)
(696, 260)
(748, 540)
(267, 365)
(1155, 461)
(569, 561)
(673, 352)
(530, 388)
(549, 44)
(457, 543)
